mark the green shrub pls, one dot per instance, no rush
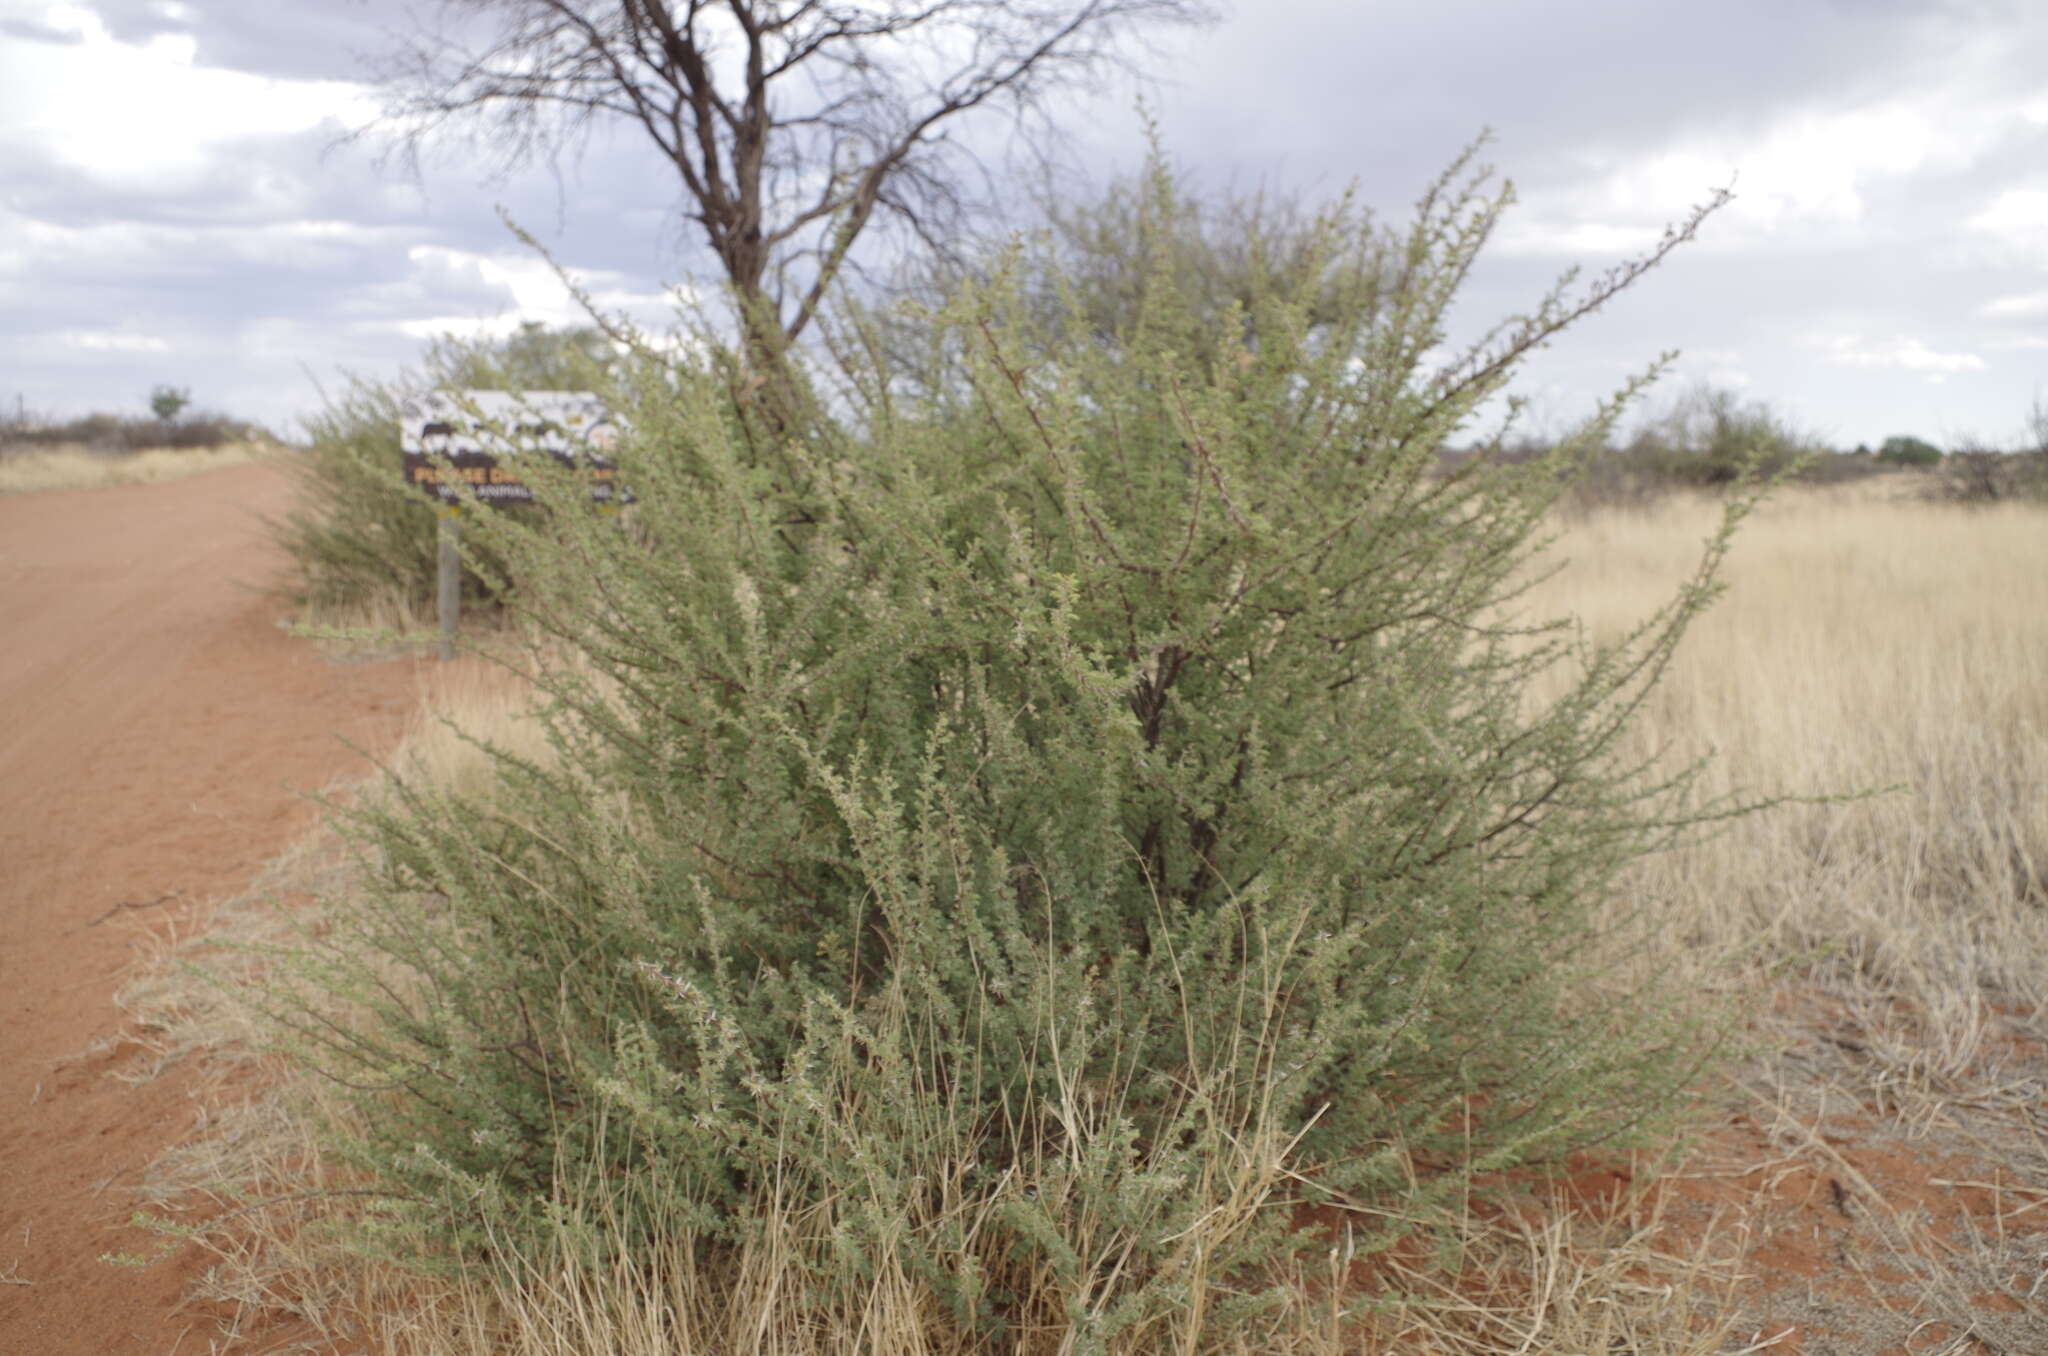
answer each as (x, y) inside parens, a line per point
(1902, 450)
(1086, 272)
(362, 542)
(1022, 842)
(1709, 437)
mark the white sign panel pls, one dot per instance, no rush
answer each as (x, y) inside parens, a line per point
(467, 444)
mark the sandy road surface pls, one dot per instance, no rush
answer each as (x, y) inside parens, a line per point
(155, 726)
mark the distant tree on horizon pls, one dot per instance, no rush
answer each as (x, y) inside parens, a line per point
(168, 402)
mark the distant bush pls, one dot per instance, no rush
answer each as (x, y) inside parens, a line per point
(1980, 472)
(1011, 846)
(1904, 450)
(1085, 272)
(118, 433)
(1706, 438)
(1710, 436)
(1837, 468)
(1974, 474)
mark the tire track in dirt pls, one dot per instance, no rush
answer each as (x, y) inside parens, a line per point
(156, 728)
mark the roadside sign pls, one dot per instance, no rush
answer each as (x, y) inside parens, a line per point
(467, 445)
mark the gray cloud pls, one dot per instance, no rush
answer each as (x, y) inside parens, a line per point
(292, 39)
(29, 30)
(1582, 93)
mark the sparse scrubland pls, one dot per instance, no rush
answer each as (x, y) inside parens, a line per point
(74, 467)
(109, 449)
(1868, 641)
(1068, 846)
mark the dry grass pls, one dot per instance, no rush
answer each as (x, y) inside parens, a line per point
(1894, 948)
(1562, 1288)
(27, 471)
(1864, 644)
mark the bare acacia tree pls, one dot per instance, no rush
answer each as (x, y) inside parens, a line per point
(791, 125)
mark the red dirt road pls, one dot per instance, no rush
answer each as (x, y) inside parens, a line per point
(155, 727)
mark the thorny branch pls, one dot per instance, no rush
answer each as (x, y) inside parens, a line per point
(791, 125)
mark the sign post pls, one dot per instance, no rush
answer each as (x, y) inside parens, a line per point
(448, 577)
(465, 445)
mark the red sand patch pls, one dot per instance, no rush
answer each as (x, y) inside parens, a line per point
(1842, 1224)
(155, 730)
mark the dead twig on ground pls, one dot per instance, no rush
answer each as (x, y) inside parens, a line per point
(137, 904)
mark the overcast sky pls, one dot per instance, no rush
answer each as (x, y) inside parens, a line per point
(174, 206)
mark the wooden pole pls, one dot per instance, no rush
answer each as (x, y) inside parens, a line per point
(448, 582)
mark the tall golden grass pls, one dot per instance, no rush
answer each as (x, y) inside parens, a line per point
(1865, 645)
(27, 470)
